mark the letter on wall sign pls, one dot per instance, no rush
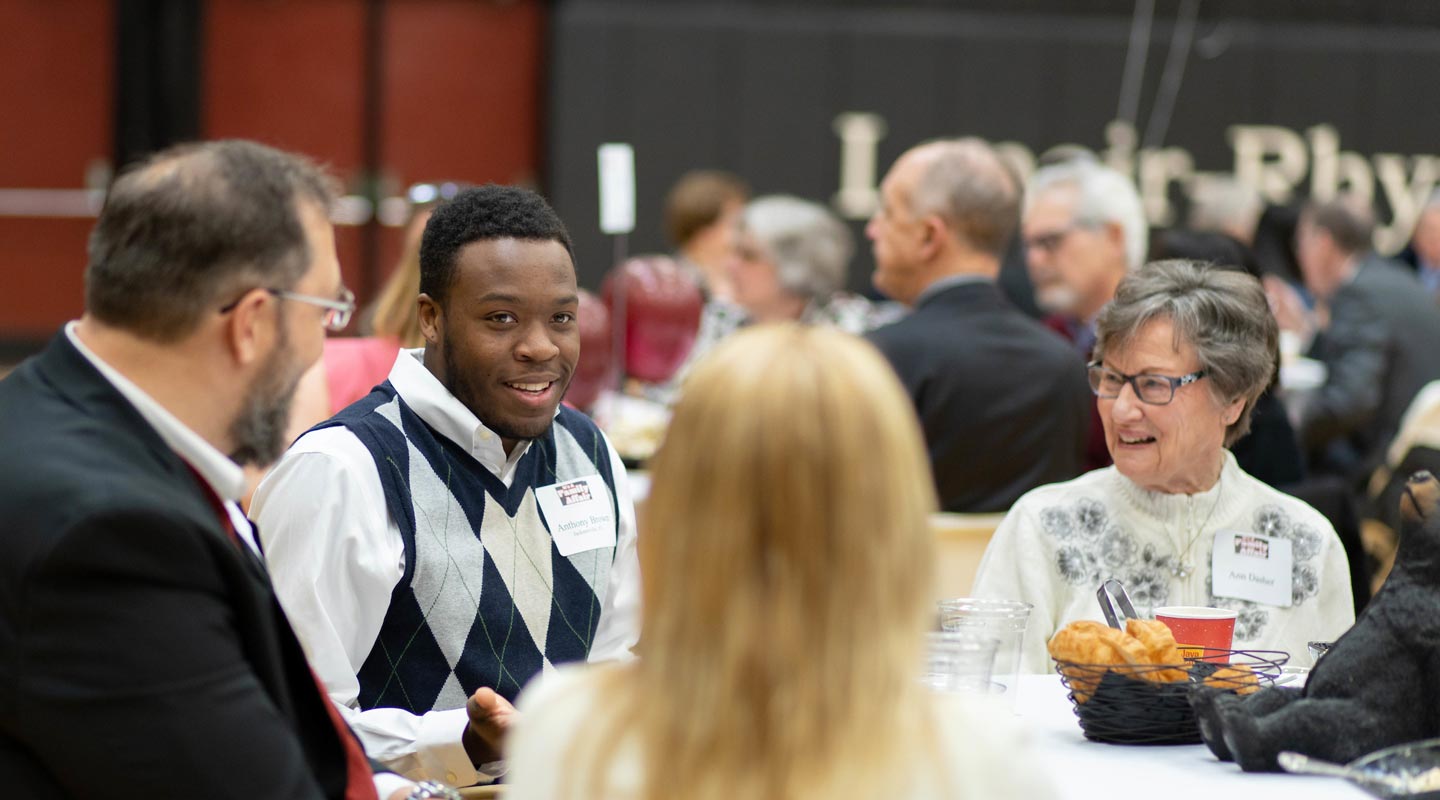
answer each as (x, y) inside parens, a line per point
(860, 134)
(1270, 158)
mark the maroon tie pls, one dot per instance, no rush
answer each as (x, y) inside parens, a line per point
(359, 780)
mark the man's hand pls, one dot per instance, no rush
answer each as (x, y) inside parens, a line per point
(490, 717)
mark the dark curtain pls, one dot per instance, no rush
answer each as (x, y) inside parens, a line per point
(157, 75)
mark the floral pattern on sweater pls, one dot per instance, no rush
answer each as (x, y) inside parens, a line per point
(1090, 548)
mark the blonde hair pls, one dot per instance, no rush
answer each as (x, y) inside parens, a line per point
(397, 308)
(785, 552)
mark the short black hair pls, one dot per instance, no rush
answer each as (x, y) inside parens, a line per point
(485, 212)
(185, 228)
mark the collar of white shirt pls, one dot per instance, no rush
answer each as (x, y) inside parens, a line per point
(442, 411)
(224, 476)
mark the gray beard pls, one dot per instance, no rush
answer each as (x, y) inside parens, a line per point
(258, 431)
(1056, 300)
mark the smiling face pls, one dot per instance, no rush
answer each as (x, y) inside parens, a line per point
(506, 341)
(1175, 448)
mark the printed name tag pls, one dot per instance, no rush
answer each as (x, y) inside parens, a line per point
(1252, 567)
(579, 513)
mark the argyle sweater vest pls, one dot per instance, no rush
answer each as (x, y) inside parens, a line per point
(486, 598)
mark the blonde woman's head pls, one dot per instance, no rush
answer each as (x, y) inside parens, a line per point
(786, 551)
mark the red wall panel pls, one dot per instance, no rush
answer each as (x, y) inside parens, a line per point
(290, 74)
(459, 91)
(459, 99)
(461, 95)
(462, 86)
(287, 74)
(56, 61)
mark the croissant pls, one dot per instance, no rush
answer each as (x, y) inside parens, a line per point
(1086, 642)
(1160, 648)
(1236, 677)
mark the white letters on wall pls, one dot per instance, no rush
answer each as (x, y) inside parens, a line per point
(1273, 160)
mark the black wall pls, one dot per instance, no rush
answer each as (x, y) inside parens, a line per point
(755, 87)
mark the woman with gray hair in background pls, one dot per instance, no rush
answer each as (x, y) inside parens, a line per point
(792, 262)
(1180, 357)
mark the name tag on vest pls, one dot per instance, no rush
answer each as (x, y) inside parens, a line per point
(579, 513)
(1251, 567)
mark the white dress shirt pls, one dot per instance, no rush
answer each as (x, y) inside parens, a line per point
(336, 555)
(225, 477)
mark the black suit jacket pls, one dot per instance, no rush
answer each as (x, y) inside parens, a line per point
(1381, 347)
(142, 653)
(1004, 403)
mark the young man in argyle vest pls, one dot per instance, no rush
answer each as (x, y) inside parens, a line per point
(446, 538)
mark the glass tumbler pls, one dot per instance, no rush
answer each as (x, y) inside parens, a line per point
(1002, 620)
(959, 662)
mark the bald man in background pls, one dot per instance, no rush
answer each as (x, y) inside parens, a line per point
(1003, 402)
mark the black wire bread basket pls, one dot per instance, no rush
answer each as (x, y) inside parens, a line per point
(1150, 703)
(1146, 703)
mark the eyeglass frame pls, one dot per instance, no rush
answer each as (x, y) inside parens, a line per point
(338, 312)
(1051, 241)
(1096, 367)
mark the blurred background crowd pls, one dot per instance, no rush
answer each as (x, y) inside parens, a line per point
(1293, 139)
(981, 189)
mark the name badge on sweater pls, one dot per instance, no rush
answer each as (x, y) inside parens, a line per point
(579, 513)
(1252, 567)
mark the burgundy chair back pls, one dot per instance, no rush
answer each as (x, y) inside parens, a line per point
(662, 315)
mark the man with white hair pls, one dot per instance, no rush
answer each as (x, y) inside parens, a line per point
(1083, 228)
(1224, 204)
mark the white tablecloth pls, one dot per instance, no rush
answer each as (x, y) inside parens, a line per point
(1081, 768)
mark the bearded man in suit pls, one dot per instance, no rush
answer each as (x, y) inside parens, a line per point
(145, 654)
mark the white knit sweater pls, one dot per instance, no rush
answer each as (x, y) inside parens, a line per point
(1060, 542)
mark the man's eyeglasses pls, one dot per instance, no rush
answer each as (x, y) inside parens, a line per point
(1049, 242)
(1155, 390)
(337, 312)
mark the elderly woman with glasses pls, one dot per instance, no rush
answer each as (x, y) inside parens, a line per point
(1181, 355)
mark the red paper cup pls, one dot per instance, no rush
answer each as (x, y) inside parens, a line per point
(1198, 628)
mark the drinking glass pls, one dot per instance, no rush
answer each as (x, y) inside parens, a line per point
(1002, 620)
(959, 661)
